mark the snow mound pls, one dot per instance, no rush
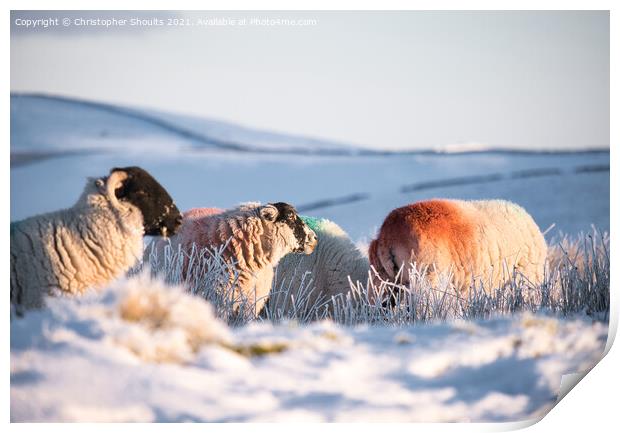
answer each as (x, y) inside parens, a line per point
(154, 321)
(472, 146)
(169, 324)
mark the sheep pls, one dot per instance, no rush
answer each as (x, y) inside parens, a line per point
(471, 239)
(200, 212)
(256, 237)
(157, 245)
(308, 280)
(91, 243)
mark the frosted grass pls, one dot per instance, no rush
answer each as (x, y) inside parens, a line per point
(576, 281)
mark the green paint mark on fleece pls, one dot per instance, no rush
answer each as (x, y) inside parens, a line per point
(314, 223)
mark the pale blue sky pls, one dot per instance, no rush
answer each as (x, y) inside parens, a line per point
(390, 80)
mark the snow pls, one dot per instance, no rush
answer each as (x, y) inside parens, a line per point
(462, 147)
(88, 140)
(570, 190)
(54, 123)
(572, 200)
(72, 362)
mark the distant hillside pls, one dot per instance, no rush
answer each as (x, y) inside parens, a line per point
(48, 124)
(45, 126)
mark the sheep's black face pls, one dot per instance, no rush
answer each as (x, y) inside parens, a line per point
(306, 238)
(161, 216)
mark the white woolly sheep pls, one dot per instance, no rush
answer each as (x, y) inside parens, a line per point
(471, 239)
(322, 274)
(258, 236)
(91, 243)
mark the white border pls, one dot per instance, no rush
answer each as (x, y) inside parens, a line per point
(591, 406)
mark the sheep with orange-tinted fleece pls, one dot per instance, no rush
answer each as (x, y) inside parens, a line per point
(473, 240)
(190, 224)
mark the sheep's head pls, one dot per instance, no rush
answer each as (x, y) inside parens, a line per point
(136, 186)
(299, 238)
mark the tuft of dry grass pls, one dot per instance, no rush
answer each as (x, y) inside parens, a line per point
(167, 324)
(258, 349)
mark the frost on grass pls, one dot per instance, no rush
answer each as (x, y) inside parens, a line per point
(205, 273)
(576, 281)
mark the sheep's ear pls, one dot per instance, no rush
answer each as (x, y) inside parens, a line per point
(269, 212)
(100, 184)
(114, 183)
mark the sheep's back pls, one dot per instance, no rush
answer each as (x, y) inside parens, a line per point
(326, 271)
(512, 240)
(72, 250)
(239, 230)
(204, 229)
(433, 232)
(473, 240)
(201, 212)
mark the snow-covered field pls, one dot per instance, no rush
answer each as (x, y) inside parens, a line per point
(97, 360)
(356, 191)
(85, 360)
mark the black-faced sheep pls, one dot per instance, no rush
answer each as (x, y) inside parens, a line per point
(472, 239)
(257, 237)
(96, 240)
(315, 278)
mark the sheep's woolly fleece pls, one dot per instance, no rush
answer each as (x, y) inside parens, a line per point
(253, 242)
(141, 351)
(321, 275)
(87, 245)
(472, 240)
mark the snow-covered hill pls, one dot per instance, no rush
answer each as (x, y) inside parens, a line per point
(66, 141)
(41, 123)
(210, 163)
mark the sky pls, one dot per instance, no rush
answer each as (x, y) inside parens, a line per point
(386, 80)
